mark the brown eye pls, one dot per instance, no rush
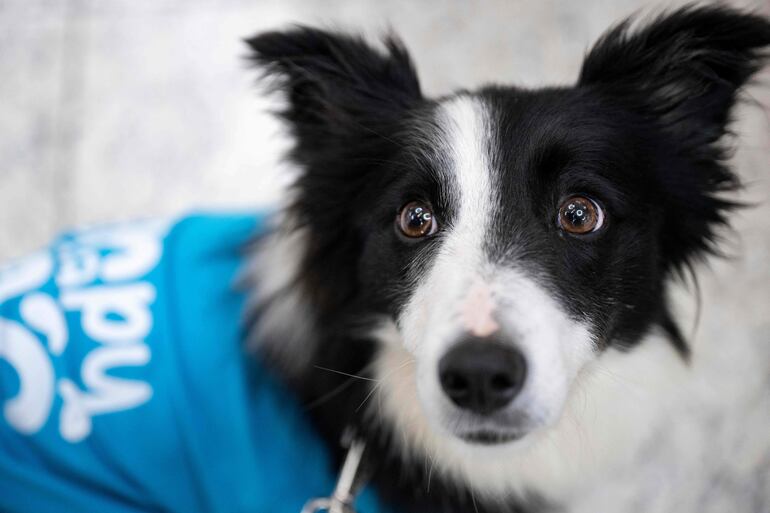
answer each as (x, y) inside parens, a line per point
(579, 215)
(416, 220)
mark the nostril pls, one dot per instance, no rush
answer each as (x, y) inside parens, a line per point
(455, 383)
(456, 386)
(501, 382)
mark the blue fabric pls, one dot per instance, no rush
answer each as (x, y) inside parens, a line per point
(124, 384)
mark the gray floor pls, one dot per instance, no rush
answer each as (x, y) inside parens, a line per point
(123, 109)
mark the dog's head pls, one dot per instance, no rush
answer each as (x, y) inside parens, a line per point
(494, 242)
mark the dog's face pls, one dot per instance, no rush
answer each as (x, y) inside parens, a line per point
(537, 255)
(494, 242)
(522, 241)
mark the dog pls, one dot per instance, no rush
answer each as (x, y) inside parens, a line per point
(455, 279)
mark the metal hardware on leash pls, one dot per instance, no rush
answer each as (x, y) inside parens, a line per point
(348, 483)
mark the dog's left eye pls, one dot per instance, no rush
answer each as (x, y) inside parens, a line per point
(415, 219)
(579, 215)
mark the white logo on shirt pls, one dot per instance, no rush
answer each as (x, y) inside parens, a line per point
(115, 313)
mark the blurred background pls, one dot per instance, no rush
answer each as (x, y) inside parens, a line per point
(117, 109)
(121, 109)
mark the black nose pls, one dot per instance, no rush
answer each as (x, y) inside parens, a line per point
(482, 376)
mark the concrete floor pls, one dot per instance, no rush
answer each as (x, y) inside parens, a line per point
(121, 109)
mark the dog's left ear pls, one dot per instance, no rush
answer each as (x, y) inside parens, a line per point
(682, 72)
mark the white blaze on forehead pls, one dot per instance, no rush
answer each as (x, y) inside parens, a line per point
(463, 142)
(467, 137)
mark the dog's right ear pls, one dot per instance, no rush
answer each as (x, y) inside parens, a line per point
(683, 73)
(338, 87)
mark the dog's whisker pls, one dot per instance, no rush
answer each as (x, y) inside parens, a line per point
(632, 386)
(371, 392)
(344, 373)
(383, 380)
(329, 395)
(430, 471)
(473, 499)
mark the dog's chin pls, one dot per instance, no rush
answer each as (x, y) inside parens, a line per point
(509, 430)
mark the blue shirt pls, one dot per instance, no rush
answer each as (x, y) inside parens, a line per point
(125, 386)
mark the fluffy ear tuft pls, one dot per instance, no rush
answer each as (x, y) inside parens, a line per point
(682, 73)
(336, 84)
(686, 65)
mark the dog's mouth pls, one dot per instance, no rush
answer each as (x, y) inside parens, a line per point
(490, 437)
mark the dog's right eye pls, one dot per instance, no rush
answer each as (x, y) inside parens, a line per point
(579, 215)
(415, 220)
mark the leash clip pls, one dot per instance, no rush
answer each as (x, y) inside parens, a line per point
(348, 482)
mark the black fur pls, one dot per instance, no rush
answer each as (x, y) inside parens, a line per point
(347, 105)
(641, 130)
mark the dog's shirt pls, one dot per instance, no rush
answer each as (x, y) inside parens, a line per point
(125, 387)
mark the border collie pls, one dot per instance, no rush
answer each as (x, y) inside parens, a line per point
(458, 279)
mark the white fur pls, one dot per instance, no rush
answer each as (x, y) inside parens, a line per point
(285, 326)
(599, 430)
(642, 431)
(556, 349)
